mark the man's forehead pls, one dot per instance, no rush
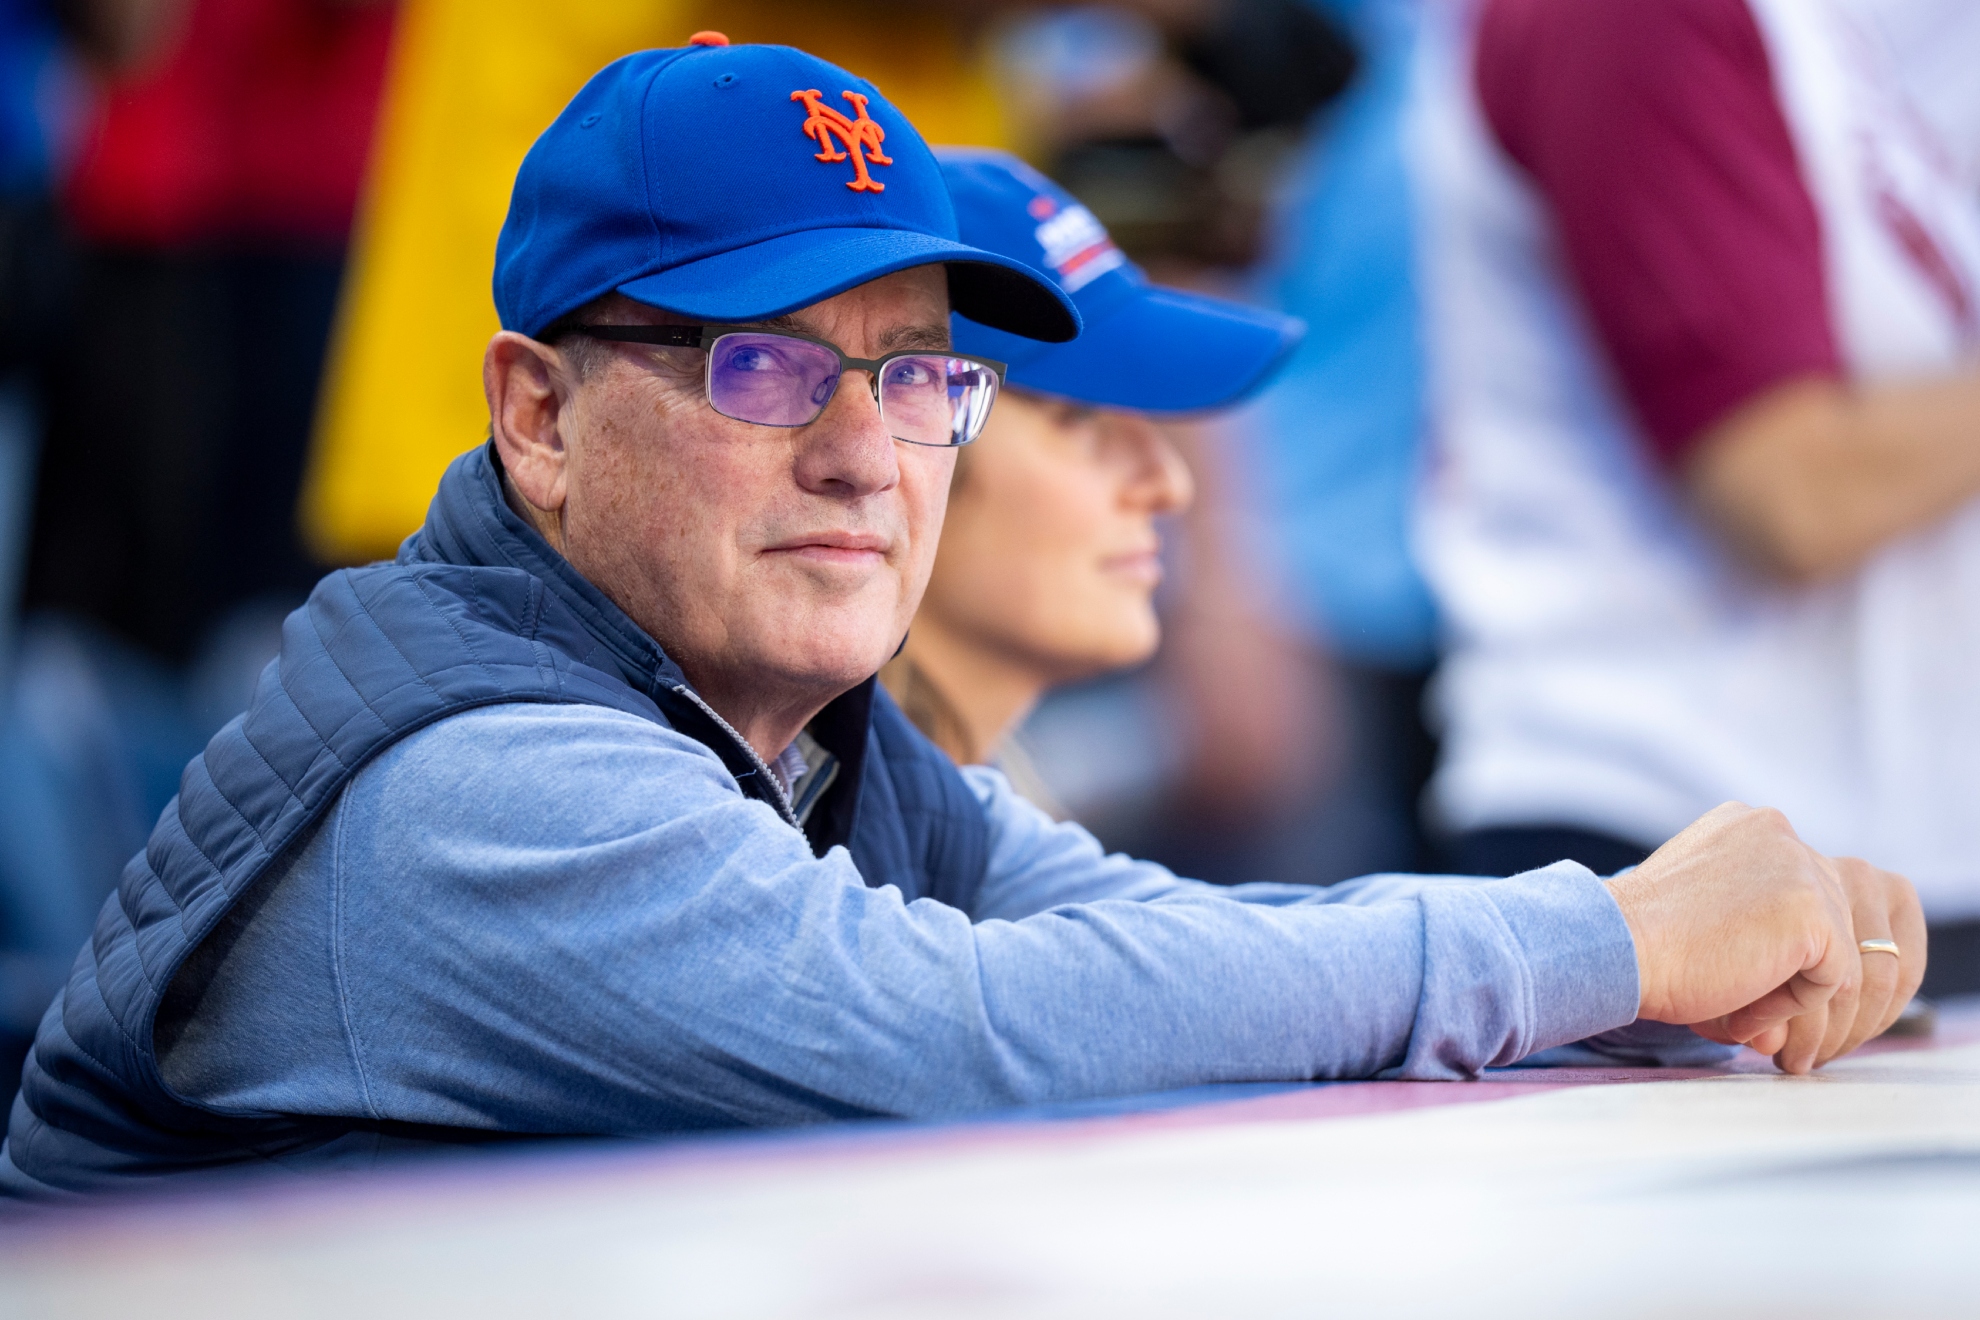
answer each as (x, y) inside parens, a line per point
(895, 328)
(908, 309)
(907, 333)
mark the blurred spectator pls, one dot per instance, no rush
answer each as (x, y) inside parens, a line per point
(1048, 568)
(211, 198)
(1932, 44)
(1254, 753)
(472, 83)
(173, 322)
(1703, 511)
(1050, 551)
(37, 93)
(1173, 119)
(1333, 452)
(38, 99)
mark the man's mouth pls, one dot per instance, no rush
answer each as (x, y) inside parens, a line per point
(834, 547)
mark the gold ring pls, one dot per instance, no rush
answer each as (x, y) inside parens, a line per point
(1879, 946)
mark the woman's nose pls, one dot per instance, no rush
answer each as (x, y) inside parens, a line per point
(1159, 480)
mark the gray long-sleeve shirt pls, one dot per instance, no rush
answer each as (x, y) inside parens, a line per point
(567, 919)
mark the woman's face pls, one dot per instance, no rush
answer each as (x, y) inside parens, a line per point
(1050, 554)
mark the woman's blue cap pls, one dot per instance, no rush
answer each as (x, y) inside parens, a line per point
(737, 183)
(1143, 346)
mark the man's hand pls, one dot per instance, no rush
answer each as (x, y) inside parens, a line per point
(1749, 936)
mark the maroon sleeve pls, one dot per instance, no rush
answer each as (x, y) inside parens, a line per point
(1651, 129)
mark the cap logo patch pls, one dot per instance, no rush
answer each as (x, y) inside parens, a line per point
(1077, 247)
(861, 137)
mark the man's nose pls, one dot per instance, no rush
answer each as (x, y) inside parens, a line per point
(847, 452)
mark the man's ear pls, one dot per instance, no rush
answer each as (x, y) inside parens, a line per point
(528, 388)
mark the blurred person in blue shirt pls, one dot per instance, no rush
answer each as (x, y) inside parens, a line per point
(1337, 431)
(1324, 465)
(36, 920)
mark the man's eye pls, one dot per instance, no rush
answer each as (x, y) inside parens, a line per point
(750, 359)
(911, 372)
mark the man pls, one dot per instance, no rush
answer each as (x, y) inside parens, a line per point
(506, 843)
(451, 137)
(1704, 510)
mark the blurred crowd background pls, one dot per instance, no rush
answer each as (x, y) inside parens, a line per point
(244, 260)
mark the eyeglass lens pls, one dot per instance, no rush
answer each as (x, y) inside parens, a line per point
(775, 380)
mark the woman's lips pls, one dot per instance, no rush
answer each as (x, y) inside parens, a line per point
(1140, 567)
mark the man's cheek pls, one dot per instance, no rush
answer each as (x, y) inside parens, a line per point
(927, 498)
(927, 531)
(915, 568)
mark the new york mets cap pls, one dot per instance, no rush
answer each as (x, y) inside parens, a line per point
(1142, 346)
(737, 183)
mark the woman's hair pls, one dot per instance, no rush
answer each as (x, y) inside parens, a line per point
(928, 710)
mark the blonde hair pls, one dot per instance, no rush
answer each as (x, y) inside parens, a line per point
(928, 709)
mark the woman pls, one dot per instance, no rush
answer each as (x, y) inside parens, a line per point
(1050, 555)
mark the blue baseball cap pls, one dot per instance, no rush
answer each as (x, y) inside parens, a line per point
(737, 183)
(1142, 346)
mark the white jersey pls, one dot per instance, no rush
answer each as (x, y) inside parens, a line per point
(1611, 666)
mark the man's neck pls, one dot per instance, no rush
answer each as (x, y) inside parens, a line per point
(767, 726)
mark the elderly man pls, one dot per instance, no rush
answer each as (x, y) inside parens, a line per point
(585, 815)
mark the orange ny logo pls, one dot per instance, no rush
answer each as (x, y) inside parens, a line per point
(862, 136)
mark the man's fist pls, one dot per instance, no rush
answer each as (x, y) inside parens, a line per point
(1749, 936)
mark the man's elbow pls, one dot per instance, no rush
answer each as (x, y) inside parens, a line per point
(1791, 545)
(1771, 480)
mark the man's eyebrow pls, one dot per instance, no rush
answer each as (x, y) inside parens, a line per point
(916, 336)
(931, 336)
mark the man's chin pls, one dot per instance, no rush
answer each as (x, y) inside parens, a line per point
(825, 659)
(822, 685)
(799, 633)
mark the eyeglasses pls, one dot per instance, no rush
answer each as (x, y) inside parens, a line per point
(777, 379)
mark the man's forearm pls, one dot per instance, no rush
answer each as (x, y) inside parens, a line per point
(1812, 477)
(1408, 976)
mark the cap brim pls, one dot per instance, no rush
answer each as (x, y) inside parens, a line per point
(783, 274)
(1164, 350)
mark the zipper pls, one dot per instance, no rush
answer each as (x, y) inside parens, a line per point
(783, 801)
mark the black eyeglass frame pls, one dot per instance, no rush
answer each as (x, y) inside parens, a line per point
(704, 337)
